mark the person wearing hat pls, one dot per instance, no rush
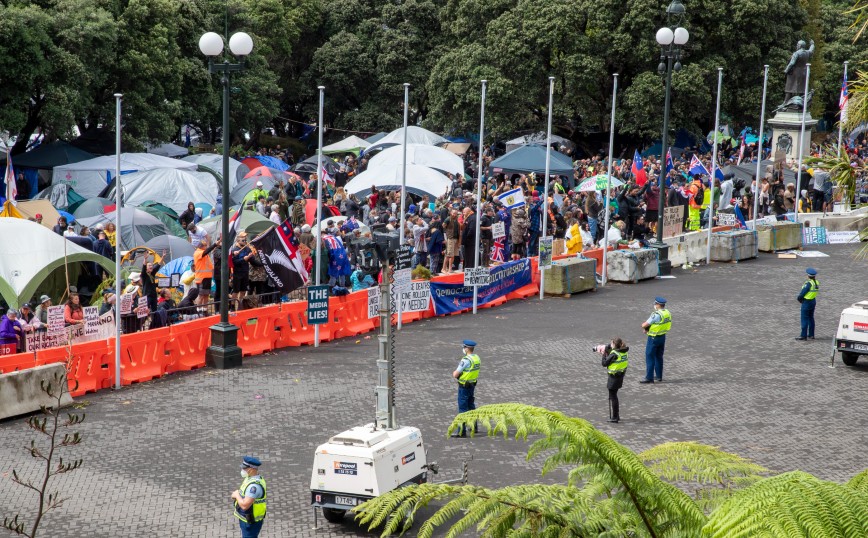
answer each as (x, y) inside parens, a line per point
(250, 498)
(42, 309)
(298, 216)
(467, 375)
(808, 298)
(29, 322)
(10, 330)
(656, 327)
(38, 218)
(108, 301)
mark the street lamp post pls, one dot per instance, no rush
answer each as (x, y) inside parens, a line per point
(224, 352)
(670, 38)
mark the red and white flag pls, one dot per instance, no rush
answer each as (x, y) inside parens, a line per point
(11, 188)
(842, 101)
(325, 175)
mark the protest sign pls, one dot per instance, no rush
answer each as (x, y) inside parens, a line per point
(56, 324)
(505, 278)
(91, 320)
(498, 229)
(545, 252)
(673, 221)
(373, 302)
(415, 298)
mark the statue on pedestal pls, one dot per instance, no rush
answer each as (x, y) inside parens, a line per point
(795, 71)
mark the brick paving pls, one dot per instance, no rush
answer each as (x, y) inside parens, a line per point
(162, 457)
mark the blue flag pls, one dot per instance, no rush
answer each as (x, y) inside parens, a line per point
(696, 167)
(669, 167)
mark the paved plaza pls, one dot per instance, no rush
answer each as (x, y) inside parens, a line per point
(161, 458)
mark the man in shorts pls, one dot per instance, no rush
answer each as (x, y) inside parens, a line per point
(452, 231)
(204, 269)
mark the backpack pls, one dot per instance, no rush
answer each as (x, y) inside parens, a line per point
(700, 196)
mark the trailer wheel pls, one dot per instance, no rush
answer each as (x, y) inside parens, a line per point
(333, 515)
(849, 358)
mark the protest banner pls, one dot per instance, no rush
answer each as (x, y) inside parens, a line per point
(91, 320)
(415, 298)
(373, 302)
(105, 329)
(505, 278)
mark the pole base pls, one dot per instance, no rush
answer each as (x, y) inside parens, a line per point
(223, 353)
(663, 262)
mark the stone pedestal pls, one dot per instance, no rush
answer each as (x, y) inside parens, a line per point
(786, 134)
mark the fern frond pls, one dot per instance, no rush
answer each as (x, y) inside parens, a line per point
(791, 505)
(860, 482)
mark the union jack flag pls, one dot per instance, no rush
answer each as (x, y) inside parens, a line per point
(497, 254)
(333, 242)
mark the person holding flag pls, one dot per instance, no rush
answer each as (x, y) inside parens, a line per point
(638, 169)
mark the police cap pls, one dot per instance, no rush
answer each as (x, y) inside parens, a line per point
(469, 343)
(811, 271)
(250, 461)
(660, 300)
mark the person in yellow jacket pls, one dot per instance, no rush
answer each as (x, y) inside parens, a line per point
(467, 375)
(656, 327)
(615, 362)
(250, 505)
(573, 237)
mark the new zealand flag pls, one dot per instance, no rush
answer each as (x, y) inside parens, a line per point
(277, 249)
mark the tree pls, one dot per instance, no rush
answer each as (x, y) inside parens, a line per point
(611, 491)
(49, 426)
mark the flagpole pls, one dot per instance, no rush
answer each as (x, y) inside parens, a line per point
(759, 144)
(398, 292)
(545, 196)
(802, 140)
(118, 289)
(841, 117)
(713, 166)
(604, 271)
(479, 191)
(320, 179)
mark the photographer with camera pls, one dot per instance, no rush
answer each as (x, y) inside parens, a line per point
(615, 361)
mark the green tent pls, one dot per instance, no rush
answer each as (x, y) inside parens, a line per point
(251, 222)
(172, 224)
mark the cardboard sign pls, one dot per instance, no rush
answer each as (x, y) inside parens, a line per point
(814, 235)
(56, 323)
(476, 276)
(142, 311)
(416, 298)
(727, 219)
(402, 279)
(318, 305)
(545, 252)
(127, 303)
(403, 258)
(175, 280)
(373, 302)
(106, 329)
(498, 229)
(91, 320)
(673, 221)
(164, 282)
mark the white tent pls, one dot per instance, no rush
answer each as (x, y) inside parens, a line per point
(172, 188)
(351, 144)
(137, 226)
(214, 162)
(415, 135)
(536, 138)
(32, 261)
(90, 177)
(430, 156)
(420, 180)
(168, 150)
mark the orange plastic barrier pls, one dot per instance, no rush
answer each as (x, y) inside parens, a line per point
(93, 366)
(143, 355)
(16, 362)
(256, 332)
(351, 312)
(188, 342)
(291, 324)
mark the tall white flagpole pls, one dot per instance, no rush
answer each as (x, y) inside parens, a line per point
(605, 271)
(759, 145)
(842, 112)
(545, 196)
(802, 141)
(713, 166)
(118, 200)
(398, 292)
(479, 190)
(320, 178)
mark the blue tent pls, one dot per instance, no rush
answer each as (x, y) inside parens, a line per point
(532, 158)
(272, 162)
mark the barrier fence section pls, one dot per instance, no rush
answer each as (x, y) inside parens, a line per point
(182, 346)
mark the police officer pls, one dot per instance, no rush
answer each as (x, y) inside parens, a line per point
(656, 328)
(615, 361)
(467, 375)
(808, 298)
(250, 498)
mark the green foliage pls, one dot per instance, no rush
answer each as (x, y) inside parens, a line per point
(421, 273)
(614, 492)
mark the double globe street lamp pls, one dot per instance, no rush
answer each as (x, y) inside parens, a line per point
(670, 38)
(224, 351)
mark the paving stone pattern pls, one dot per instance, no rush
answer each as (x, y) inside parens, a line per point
(162, 457)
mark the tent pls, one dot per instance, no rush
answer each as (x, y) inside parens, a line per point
(532, 158)
(93, 207)
(536, 138)
(168, 150)
(137, 226)
(28, 209)
(172, 187)
(251, 222)
(32, 262)
(60, 196)
(415, 135)
(421, 180)
(162, 208)
(175, 247)
(458, 148)
(46, 157)
(214, 163)
(272, 162)
(430, 156)
(241, 192)
(352, 144)
(328, 211)
(747, 170)
(171, 222)
(177, 265)
(308, 166)
(90, 177)
(374, 138)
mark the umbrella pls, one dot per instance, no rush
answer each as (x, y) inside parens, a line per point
(175, 247)
(93, 207)
(308, 166)
(272, 162)
(597, 183)
(421, 180)
(178, 265)
(68, 216)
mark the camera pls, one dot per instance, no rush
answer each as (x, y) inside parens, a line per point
(602, 349)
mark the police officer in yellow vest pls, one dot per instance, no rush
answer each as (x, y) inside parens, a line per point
(808, 298)
(615, 361)
(467, 375)
(250, 498)
(656, 328)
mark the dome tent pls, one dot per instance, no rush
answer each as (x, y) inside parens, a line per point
(171, 187)
(32, 261)
(90, 177)
(214, 163)
(415, 135)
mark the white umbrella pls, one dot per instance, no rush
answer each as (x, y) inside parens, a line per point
(338, 221)
(430, 156)
(420, 180)
(415, 135)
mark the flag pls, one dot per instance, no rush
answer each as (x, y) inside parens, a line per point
(277, 250)
(497, 254)
(235, 225)
(512, 199)
(669, 167)
(11, 188)
(740, 216)
(639, 169)
(842, 101)
(696, 167)
(741, 151)
(325, 175)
